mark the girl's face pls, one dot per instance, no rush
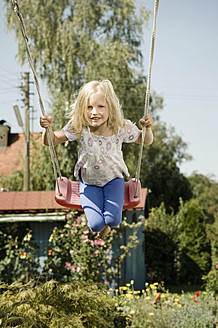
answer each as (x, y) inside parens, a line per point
(98, 111)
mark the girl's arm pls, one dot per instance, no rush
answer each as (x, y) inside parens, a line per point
(146, 122)
(57, 136)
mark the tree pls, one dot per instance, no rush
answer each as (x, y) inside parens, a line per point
(177, 249)
(194, 245)
(159, 167)
(205, 190)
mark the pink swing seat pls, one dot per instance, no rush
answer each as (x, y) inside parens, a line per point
(69, 194)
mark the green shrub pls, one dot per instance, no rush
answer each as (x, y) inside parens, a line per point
(177, 249)
(56, 305)
(19, 261)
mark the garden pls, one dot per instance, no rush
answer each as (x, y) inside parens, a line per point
(77, 286)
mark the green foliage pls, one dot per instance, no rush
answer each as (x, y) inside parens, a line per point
(176, 246)
(13, 182)
(52, 304)
(76, 254)
(205, 190)
(160, 171)
(210, 280)
(193, 242)
(160, 245)
(20, 261)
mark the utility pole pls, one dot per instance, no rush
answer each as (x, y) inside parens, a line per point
(26, 90)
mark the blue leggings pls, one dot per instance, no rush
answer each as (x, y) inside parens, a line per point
(102, 205)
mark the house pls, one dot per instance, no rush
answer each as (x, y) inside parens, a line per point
(41, 213)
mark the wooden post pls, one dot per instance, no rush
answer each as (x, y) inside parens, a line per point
(27, 133)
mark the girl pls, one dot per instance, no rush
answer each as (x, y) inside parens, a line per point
(97, 124)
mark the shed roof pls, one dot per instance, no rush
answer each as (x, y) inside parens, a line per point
(39, 201)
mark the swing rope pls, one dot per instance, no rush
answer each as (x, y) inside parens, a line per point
(53, 154)
(54, 158)
(147, 97)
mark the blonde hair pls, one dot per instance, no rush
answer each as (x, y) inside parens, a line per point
(78, 115)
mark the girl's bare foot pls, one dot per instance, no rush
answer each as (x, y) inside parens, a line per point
(103, 233)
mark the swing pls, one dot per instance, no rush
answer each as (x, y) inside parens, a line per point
(66, 191)
(69, 194)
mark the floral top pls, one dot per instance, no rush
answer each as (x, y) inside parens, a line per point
(100, 158)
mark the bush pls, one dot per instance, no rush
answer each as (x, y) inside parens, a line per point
(74, 253)
(76, 304)
(19, 261)
(177, 249)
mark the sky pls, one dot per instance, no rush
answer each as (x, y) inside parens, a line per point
(184, 73)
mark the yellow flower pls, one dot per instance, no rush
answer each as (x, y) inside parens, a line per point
(132, 282)
(128, 285)
(147, 298)
(179, 305)
(132, 312)
(151, 313)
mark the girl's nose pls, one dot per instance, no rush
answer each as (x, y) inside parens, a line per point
(94, 110)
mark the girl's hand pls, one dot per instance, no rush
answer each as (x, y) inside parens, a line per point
(147, 121)
(46, 121)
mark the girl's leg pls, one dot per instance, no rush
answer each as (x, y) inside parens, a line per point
(113, 196)
(91, 199)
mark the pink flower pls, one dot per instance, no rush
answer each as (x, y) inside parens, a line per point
(55, 228)
(96, 252)
(101, 242)
(68, 264)
(78, 269)
(84, 237)
(62, 235)
(71, 251)
(86, 231)
(92, 242)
